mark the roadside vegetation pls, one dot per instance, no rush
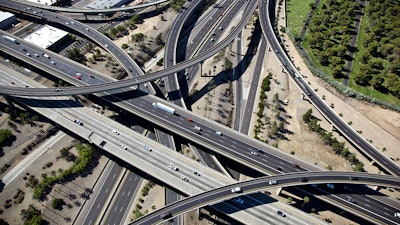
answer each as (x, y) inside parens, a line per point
(379, 52)
(330, 32)
(328, 139)
(85, 153)
(296, 14)
(327, 29)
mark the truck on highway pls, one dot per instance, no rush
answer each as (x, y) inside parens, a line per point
(8, 38)
(166, 108)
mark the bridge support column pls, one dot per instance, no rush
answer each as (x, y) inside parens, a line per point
(201, 68)
(75, 98)
(9, 102)
(278, 191)
(85, 16)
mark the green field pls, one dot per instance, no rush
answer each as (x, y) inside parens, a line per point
(297, 12)
(356, 67)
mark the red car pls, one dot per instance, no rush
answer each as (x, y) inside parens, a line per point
(190, 120)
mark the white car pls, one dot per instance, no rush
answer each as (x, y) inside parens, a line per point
(253, 153)
(196, 173)
(172, 166)
(218, 133)
(115, 131)
(272, 182)
(397, 214)
(184, 178)
(123, 147)
(236, 190)
(78, 122)
(145, 147)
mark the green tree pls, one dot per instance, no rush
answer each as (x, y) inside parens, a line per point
(5, 136)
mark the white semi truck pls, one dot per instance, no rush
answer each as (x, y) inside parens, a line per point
(166, 108)
(8, 38)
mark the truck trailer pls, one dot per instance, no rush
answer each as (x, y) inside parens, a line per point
(8, 38)
(166, 108)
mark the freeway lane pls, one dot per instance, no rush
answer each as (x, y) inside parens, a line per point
(116, 85)
(142, 106)
(89, 11)
(239, 149)
(387, 164)
(223, 193)
(121, 56)
(62, 112)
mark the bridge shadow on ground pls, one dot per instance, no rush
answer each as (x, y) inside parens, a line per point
(225, 76)
(250, 201)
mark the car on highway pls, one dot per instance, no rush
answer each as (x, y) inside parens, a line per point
(353, 178)
(123, 147)
(272, 182)
(281, 213)
(12, 82)
(52, 62)
(197, 128)
(28, 54)
(351, 200)
(189, 119)
(196, 173)
(78, 76)
(397, 214)
(172, 166)
(303, 179)
(58, 89)
(146, 147)
(218, 133)
(295, 165)
(184, 178)
(253, 153)
(78, 122)
(115, 131)
(239, 200)
(236, 190)
(165, 215)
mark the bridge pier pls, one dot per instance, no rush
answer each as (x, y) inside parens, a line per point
(9, 102)
(75, 98)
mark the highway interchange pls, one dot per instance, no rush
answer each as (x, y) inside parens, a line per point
(187, 127)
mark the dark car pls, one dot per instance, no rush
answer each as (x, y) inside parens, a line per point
(295, 165)
(353, 178)
(281, 213)
(303, 179)
(166, 215)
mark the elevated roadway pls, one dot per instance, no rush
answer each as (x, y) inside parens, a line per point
(114, 137)
(267, 10)
(116, 85)
(65, 22)
(262, 183)
(87, 10)
(231, 144)
(211, 132)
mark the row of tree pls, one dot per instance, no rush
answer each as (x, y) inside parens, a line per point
(381, 56)
(330, 33)
(327, 137)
